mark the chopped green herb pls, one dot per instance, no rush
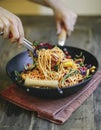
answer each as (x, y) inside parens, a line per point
(68, 75)
(82, 64)
(71, 74)
(17, 76)
(36, 43)
(56, 67)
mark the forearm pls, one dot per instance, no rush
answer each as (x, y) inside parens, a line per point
(54, 4)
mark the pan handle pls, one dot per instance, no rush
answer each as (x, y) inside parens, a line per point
(62, 37)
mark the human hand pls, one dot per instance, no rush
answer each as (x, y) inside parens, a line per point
(65, 19)
(11, 25)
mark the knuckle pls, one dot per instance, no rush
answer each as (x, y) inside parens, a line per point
(16, 37)
(13, 21)
(1, 26)
(7, 24)
(13, 40)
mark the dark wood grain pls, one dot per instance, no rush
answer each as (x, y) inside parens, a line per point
(87, 35)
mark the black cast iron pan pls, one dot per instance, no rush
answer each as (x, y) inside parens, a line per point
(17, 63)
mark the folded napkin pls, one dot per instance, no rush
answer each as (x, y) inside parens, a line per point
(54, 110)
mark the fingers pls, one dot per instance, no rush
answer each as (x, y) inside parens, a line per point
(66, 19)
(70, 22)
(10, 24)
(21, 32)
(14, 32)
(68, 27)
(5, 26)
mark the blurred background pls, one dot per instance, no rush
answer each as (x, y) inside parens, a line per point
(26, 7)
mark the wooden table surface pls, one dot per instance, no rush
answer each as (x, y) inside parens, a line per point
(87, 35)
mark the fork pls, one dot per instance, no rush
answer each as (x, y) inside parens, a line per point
(26, 43)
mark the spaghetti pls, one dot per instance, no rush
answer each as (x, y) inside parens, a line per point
(56, 65)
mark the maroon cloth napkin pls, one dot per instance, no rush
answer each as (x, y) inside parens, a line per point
(54, 110)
